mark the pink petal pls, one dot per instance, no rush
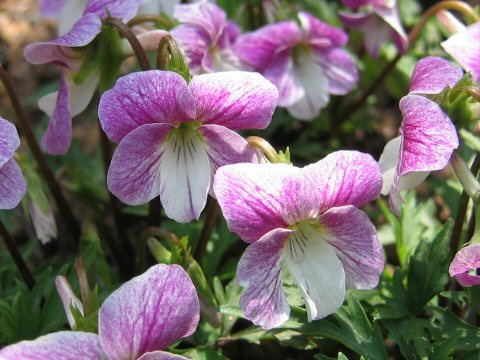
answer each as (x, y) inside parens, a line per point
(357, 20)
(257, 198)
(356, 244)
(234, 99)
(259, 271)
(58, 136)
(149, 312)
(12, 185)
(429, 137)
(340, 70)
(134, 173)
(195, 45)
(391, 17)
(467, 259)
(9, 141)
(65, 345)
(346, 178)
(432, 74)
(259, 48)
(160, 355)
(320, 34)
(69, 299)
(145, 97)
(464, 47)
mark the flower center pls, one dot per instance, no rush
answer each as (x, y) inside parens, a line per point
(304, 231)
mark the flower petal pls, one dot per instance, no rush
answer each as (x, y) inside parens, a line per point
(43, 222)
(121, 9)
(388, 163)
(318, 272)
(195, 45)
(357, 20)
(465, 260)
(432, 74)
(320, 34)
(346, 178)
(355, 241)
(259, 48)
(464, 47)
(134, 173)
(145, 97)
(9, 141)
(234, 99)
(69, 299)
(53, 51)
(259, 271)
(340, 70)
(391, 17)
(257, 198)
(377, 33)
(149, 312)
(429, 137)
(315, 84)
(161, 355)
(12, 185)
(184, 176)
(226, 147)
(65, 345)
(58, 136)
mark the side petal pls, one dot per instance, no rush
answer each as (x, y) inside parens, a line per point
(134, 173)
(65, 345)
(148, 313)
(388, 163)
(464, 47)
(257, 198)
(145, 97)
(429, 137)
(314, 82)
(58, 136)
(340, 70)
(259, 271)
(317, 271)
(355, 20)
(184, 176)
(355, 241)
(391, 16)
(12, 185)
(195, 45)
(234, 99)
(320, 34)
(346, 178)
(258, 48)
(9, 141)
(466, 260)
(121, 9)
(226, 147)
(432, 74)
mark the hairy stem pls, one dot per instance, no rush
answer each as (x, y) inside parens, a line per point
(208, 225)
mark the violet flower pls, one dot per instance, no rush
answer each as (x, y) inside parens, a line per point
(464, 47)
(206, 37)
(308, 219)
(427, 135)
(379, 23)
(12, 182)
(305, 63)
(67, 51)
(465, 264)
(172, 136)
(138, 320)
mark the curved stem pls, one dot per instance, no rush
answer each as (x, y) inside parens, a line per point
(131, 38)
(265, 146)
(17, 257)
(158, 20)
(471, 90)
(54, 187)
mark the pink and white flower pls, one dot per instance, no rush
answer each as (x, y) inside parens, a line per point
(12, 182)
(465, 265)
(206, 37)
(308, 219)
(138, 320)
(306, 63)
(172, 136)
(427, 135)
(380, 23)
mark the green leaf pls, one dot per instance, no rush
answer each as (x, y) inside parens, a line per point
(202, 353)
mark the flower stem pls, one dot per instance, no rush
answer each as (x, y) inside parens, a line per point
(131, 38)
(161, 22)
(266, 148)
(84, 287)
(17, 257)
(208, 225)
(462, 210)
(459, 6)
(54, 187)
